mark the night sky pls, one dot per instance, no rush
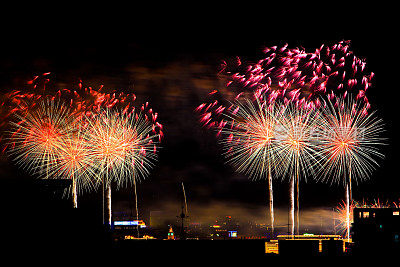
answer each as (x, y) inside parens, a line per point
(172, 60)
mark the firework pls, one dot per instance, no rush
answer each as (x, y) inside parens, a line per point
(37, 134)
(74, 162)
(297, 150)
(302, 76)
(123, 145)
(249, 141)
(261, 138)
(81, 100)
(290, 74)
(379, 204)
(73, 156)
(344, 216)
(348, 143)
(46, 140)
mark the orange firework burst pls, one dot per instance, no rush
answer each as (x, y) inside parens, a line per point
(259, 138)
(48, 139)
(82, 101)
(343, 218)
(37, 134)
(74, 162)
(124, 147)
(297, 150)
(348, 141)
(249, 138)
(250, 143)
(122, 144)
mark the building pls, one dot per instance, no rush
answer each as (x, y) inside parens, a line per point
(171, 235)
(376, 230)
(128, 225)
(125, 229)
(308, 244)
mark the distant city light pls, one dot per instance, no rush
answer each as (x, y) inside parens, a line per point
(126, 223)
(130, 223)
(232, 233)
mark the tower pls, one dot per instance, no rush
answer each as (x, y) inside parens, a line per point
(171, 235)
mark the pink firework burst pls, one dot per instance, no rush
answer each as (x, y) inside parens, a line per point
(292, 75)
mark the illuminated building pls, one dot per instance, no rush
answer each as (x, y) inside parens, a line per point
(126, 225)
(129, 237)
(376, 230)
(232, 234)
(307, 236)
(128, 228)
(171, 235)
(320, 239)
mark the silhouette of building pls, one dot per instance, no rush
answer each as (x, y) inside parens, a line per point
(50, 223)
(309, 244)
(376, 230)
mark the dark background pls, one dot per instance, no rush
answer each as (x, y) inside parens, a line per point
(163, 56)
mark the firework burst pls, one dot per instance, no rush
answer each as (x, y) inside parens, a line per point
(123, 145)
(348, 143)
(260, 138)
(81, 100)
(46, 140)
(249, 137)
(297, 150)
(37, 134)
(249, 141)
(300, 75)
(290, 74)
(74, 162)
(344, 216)
(58, 146)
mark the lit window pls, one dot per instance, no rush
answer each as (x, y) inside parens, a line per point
(365, 214)
(396, 212)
